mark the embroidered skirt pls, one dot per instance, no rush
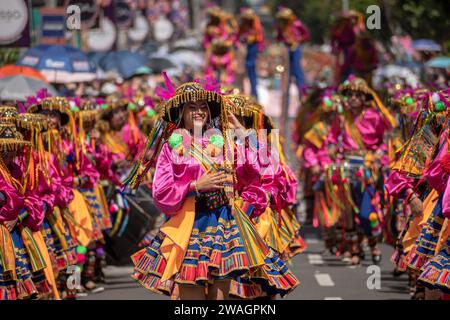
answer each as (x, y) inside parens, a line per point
(436, 272)
(60, 245)
(425, 246)
(23, 287)
(215, 252)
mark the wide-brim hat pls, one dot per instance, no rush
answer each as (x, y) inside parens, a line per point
(113, 103)
(10, 138)
(32, 121)
(248, 14)
(8, 114)
(355, 84)
(191, 92)
(285, 14)
(360, 85)
(59, 104)
(86, 111)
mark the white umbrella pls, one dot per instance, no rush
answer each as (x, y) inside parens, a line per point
(20, 87)
(394, 73)
(188, 58)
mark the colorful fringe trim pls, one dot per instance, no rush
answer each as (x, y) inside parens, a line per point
(215, 252)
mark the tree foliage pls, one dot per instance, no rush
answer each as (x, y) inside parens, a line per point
(418, 18)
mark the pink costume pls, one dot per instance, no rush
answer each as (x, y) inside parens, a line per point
(28, 207)
(133, 138)
(103, 160)
(297, 33)
(371, 127)
(314, 156)
(174, 174)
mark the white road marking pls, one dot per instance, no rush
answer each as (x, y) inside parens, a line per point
(315, 259)
(312, 241)
(333, 298)
(324, 280)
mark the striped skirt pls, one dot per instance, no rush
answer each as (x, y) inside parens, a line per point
(28, 284)
(215, 252)
(436, 272)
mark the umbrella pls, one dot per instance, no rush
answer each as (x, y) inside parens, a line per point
(20, 87)
(59, 64)
(148, 49)
(426, 45)
(188, 58)
(395, 72)
(439, 62)
(124, 62)
(159, 64)
(13, 70)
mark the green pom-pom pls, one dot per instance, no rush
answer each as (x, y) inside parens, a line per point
(409, 101)
(75, 109)
(81, 249)
(104, 106)
(132, 106)
(217, 141)
(175, 140)
(439, 106)
(327, 102)
(150, 113)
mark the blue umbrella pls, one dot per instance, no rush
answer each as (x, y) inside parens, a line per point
(59, 64)
(426, 45)
(124, 62)
(439, 62)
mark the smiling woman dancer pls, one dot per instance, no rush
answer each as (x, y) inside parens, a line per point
(208, 240)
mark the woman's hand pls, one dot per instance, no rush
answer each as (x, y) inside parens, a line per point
(212, 181)
(416, 206)
(10, 224)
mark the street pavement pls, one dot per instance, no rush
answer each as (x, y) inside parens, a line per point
(322, 277)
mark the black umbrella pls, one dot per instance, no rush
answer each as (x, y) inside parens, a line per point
(159, 64)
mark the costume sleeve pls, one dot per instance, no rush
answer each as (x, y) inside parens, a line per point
(309, 155)
(35, 211)
(249, 180)
(168, 193)
(397, 183)
(11, 202)
(446, 200)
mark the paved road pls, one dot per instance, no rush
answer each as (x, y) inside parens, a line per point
(322, 277)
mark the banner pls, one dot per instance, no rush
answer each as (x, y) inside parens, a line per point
(53, 26)
(14, 23)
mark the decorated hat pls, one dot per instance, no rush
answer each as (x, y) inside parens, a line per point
(8, 114)
(360, 85)
(355, 84)
(192, 91)
(215, 11)
(285, 14)
(112, 103)
(59, 104)
(32, 121)
(85, 110)
(248, 14)
(10, 138)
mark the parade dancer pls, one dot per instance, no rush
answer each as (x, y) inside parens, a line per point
(252, 34)
(24, 256)
(216, 268)
(318, 156)
(418, 176)
(292, 32)
(218, 43)
(359, 136)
